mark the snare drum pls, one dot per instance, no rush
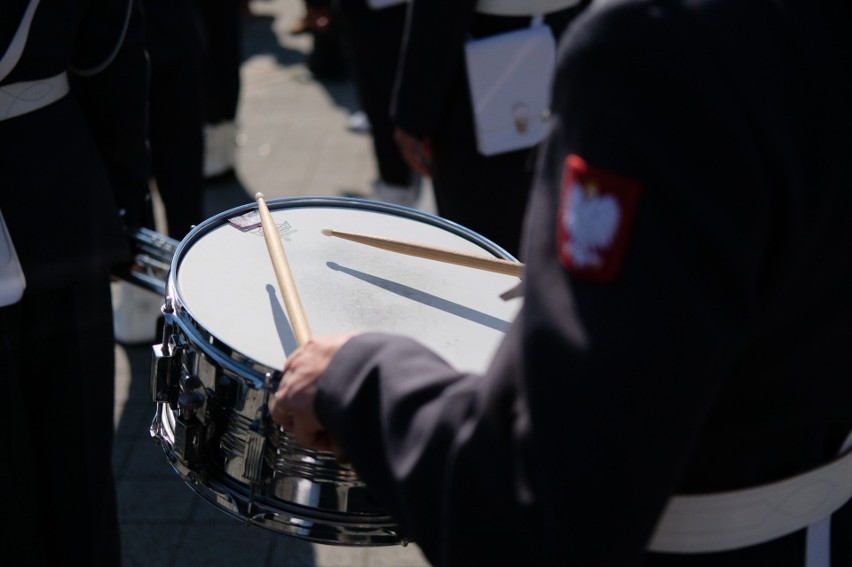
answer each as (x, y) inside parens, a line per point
(227, 335)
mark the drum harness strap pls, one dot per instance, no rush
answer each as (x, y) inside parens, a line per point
(730, 520)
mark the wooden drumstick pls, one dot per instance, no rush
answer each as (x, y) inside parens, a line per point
(290, 293)
(282, 272)
(429, 252)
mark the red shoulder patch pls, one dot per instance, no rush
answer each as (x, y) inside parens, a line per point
(596, 210)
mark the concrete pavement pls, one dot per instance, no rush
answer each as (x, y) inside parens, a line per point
(293, 141)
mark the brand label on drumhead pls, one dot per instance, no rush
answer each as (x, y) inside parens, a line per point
(596, 212)
(246, 222)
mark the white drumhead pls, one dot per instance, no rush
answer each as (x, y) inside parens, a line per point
(226, 282)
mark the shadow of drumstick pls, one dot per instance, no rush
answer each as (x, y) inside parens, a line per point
(282, 323)
(426, 298)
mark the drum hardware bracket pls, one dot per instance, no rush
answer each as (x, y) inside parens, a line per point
(260, 518)
(152, 256)
(253, 458)
(193, 396)
(255, 448)
(166, 366)
(189, 428)
(270, 383)
(168, 305)
(403, 541)
(253, 516)
(195, 477)
(187, 443)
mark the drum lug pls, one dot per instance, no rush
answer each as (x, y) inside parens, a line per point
(190, 428)
(254, 449)
(187, 445)
(253, 460)
(165, 373)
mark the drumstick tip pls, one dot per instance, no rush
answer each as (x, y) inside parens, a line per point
(327, 231)
(258, 196)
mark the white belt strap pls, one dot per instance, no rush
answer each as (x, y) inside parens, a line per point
(26, 96)
(522, 7)
(731, 520)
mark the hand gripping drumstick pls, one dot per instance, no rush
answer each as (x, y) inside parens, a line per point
(488, 263)
(282, 272)
(289, 291)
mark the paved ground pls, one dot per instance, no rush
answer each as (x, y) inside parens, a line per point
(293, 141)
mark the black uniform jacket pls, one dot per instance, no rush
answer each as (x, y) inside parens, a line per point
(68, 170)
(698, 342)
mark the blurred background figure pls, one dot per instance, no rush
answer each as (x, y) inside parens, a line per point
(432, 111)
(326, 60)
(195, 50)
(73, 157)
(372, 31)
(222, 27)
(177, 51)
(176, 43)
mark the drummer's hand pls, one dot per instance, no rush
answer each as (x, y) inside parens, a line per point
(417, 153)
(292, 405)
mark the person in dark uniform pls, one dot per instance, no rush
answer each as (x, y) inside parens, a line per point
(73, 165)
(176, 48)
(222, 24)
(176, 134)
(433, 117)
(326, 59)
(675, 389)
(373, 36)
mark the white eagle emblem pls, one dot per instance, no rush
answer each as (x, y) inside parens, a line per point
(591, 225)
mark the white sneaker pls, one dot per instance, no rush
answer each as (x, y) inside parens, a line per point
(220, 143)
(358, 122)
(404, 195)
(135, 313)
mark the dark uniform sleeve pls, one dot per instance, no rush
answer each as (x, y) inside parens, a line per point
(408, 419)
(607, 397)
